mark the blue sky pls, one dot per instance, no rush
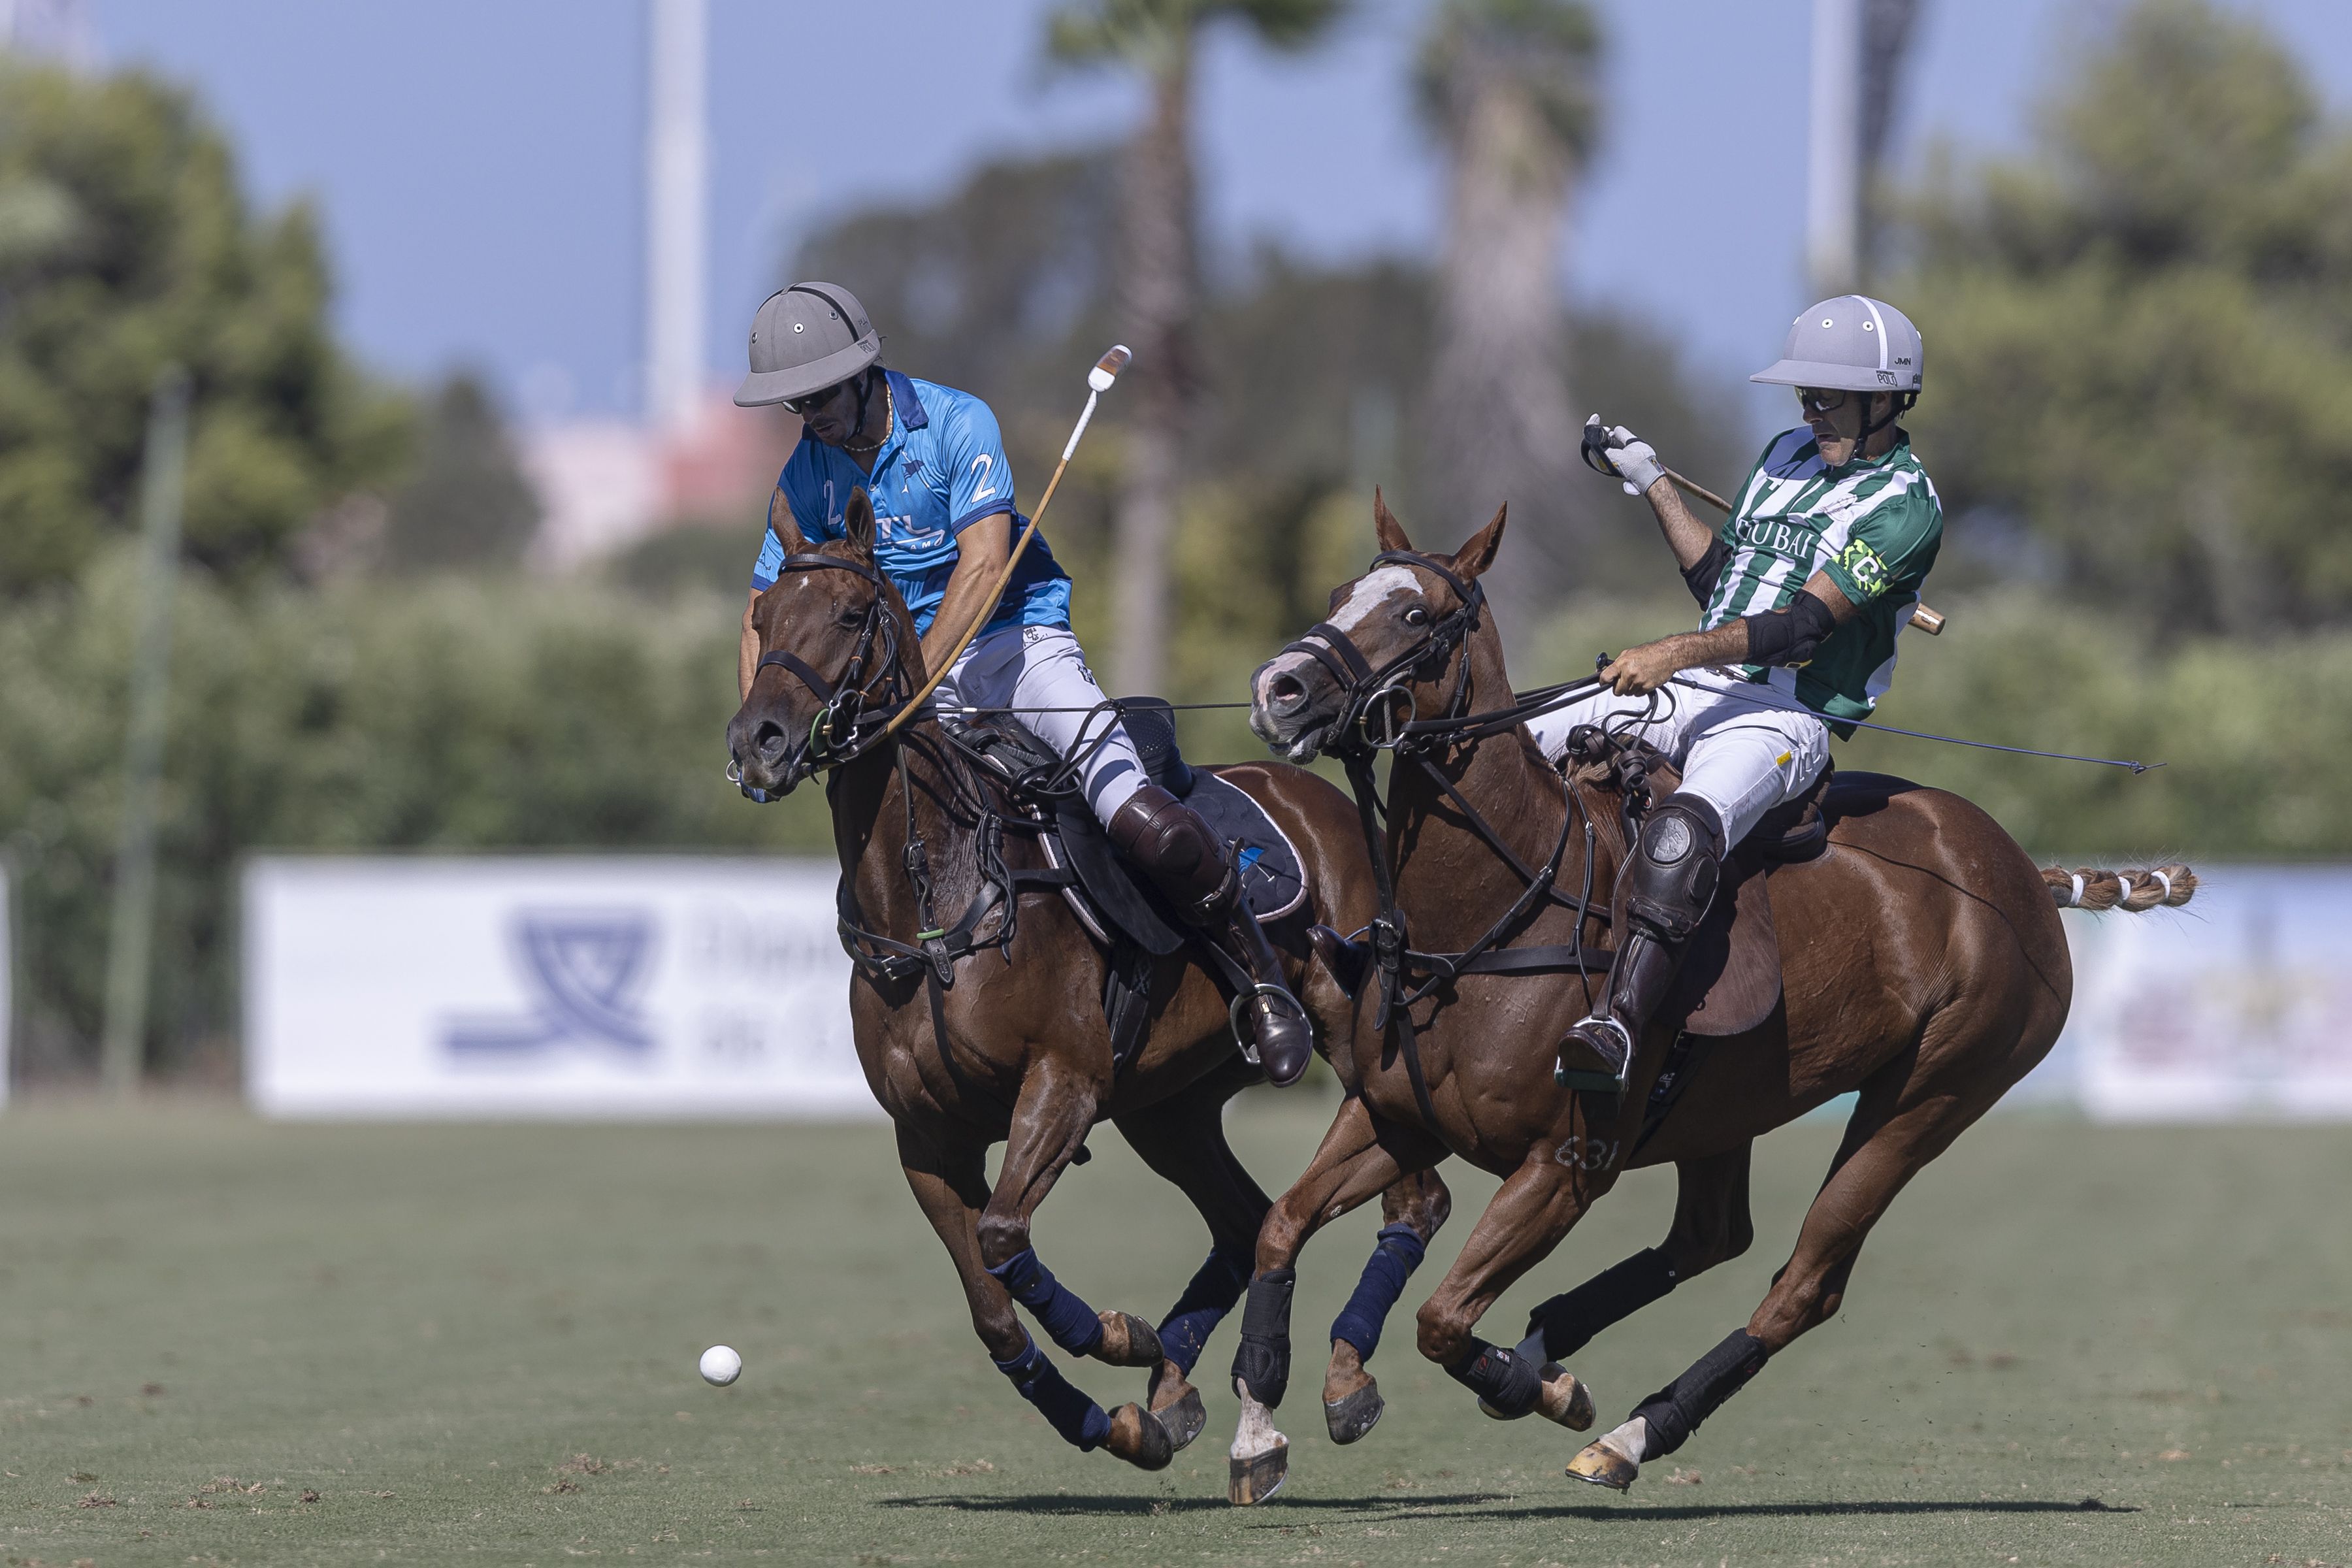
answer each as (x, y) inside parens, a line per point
(478, 161)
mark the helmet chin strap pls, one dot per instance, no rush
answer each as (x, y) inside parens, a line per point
(1898, 404)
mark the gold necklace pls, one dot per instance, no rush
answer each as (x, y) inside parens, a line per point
(890, 418)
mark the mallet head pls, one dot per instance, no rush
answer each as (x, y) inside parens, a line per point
(1107, 368)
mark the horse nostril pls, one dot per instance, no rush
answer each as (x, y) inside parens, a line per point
(1284, 693)
(768, 740)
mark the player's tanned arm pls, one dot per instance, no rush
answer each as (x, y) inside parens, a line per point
(981, 550)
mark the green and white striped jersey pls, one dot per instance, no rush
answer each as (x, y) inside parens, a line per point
(1873, 526)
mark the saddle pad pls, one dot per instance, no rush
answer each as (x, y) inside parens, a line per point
(1272, 877)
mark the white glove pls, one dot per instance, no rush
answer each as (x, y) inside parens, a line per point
(1633, 459)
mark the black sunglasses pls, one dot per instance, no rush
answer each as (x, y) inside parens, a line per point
(817, 399)
(1815, 400)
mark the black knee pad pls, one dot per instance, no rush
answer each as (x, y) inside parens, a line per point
(1675, 866)
(1263, 1357)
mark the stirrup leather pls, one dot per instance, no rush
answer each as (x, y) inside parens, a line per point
(1588, 1078)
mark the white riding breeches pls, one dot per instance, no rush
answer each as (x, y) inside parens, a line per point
(1041, 672)
(1743, 748)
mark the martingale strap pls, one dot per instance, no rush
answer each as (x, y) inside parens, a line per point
(1408, 975)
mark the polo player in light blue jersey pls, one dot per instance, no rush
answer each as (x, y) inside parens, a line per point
(932, 462)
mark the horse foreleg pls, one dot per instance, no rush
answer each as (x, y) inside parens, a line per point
(1049, 1126)
(1882, 1150)
(1412, 1209)
(1360, 1156)
(1183, 1137)
(1712, 1225)
(1537, 1205)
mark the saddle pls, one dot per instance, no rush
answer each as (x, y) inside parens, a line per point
(1730, 978)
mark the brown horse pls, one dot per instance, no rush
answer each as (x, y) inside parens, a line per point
(1924, 967)
(1008, 1042)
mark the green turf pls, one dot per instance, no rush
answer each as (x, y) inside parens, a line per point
(425, 1326)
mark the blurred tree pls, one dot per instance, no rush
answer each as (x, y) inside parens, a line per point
(1159, 257)
(2140, 335)
(1507, 87)
(468, 505)
(125, 243)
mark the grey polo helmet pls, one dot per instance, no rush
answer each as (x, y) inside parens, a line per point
(1851, 344)
(807, 338)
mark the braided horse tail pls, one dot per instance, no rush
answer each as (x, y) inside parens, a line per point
(2132, 891)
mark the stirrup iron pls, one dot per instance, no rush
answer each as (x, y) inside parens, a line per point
(1245, 1039)
(1591, 1081)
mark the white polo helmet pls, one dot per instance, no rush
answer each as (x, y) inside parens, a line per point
(1851, 343)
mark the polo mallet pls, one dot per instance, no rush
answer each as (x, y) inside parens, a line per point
(1927, 620)
(1099, 381)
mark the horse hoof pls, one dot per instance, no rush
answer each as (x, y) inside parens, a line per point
(1349, 1419)
(1603, 1467)
(1127, 1341)
(1184, 1420)
(1258, 1477)
(1139, 1437)
(1565, 1398)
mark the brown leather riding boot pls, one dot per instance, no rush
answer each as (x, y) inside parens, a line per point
(1169, 842)
(1646, 967)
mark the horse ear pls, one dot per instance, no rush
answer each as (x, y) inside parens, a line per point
(1385, 527)
(1478, 553)
(781, 523)
(858, 524)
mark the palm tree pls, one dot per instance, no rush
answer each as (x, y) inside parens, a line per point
(1158, 287)
(1508, 88)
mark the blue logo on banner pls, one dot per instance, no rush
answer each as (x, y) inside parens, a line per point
(581, 972)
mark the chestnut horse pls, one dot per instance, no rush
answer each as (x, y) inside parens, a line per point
(1924, 967)
(1008, 1042)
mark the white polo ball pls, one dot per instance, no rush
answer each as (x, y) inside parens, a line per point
(720, 1366)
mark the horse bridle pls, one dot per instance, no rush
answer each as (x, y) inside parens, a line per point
(851, 700)
(1372, 695)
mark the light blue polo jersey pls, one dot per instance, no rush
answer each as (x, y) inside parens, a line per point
(941, 471)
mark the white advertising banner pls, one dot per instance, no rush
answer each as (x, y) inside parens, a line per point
(519, 986)
(2238, 1006)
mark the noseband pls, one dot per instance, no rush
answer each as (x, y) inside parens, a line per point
(837, 735)
(1378, 706)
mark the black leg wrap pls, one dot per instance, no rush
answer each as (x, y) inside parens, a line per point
(1500, 1378)
(1674, 1412)
(1263, 1357)
(1568, 1321)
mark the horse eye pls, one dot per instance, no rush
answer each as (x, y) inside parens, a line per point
(1418, 615)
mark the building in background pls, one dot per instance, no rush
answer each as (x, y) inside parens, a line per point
(692, 455)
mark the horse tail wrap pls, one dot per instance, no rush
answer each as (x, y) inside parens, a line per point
(2089, 888)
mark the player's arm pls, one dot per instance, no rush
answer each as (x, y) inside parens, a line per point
(981, 550)
(1787, 635)
(1635, 461)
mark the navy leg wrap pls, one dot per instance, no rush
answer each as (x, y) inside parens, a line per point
(1500, 1377)
(1568, 1321)
(1079, 1419)
(1263, 1357)
(1674, 1412)
(1215, 1286)
(1067, 1321)
(1394, 1257)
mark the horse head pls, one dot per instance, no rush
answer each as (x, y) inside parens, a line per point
(831, 631)
(1393, 647)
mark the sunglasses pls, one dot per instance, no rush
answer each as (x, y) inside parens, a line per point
(1814, 400)
(817, 399)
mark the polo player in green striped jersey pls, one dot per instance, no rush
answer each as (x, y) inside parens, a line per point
(1805, 591)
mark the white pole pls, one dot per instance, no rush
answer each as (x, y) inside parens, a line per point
(1834, 159)
(676, 181)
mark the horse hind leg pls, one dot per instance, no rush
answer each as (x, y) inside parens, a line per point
(1883, 1148)
(1411, 1210)
(1712, 1225)
(1182, 1139)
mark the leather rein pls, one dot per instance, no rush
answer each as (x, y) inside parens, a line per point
(1379, 714)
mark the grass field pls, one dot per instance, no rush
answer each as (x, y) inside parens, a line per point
(457, 1344)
